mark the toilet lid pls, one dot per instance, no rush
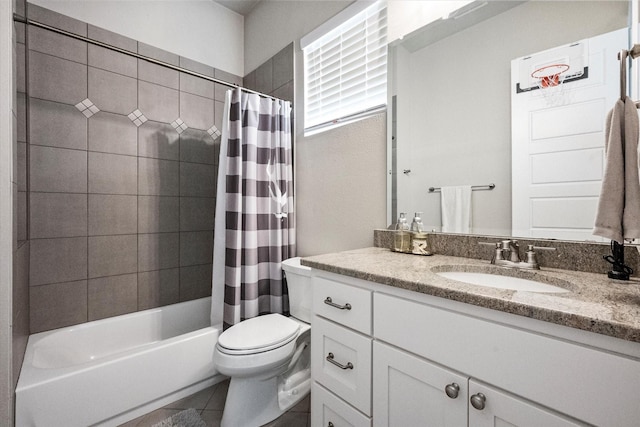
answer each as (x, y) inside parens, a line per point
(260, 333)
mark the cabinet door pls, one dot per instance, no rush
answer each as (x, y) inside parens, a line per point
(409, 391)
(341, 361)
(329, 410)
(496, 408)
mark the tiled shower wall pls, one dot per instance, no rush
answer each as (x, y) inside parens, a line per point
(122, 175)
(275, 76)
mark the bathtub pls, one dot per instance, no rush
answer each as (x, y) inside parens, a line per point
(110, 371)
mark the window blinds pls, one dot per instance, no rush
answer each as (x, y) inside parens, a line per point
(346, 69)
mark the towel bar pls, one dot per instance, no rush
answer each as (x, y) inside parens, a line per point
(473, 187)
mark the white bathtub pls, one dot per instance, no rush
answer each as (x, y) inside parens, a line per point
(110, 371)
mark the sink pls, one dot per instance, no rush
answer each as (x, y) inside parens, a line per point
(500, 281)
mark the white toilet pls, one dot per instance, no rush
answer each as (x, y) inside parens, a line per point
(268, 357)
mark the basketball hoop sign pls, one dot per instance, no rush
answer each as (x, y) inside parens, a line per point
(550, 71)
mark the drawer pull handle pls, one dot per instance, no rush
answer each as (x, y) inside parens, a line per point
(328, 301)
(349, 365)
(478, 400)
(452, 390)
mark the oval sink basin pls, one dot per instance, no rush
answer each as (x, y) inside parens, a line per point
(500, 282)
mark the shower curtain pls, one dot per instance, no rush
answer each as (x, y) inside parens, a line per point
(254, 221)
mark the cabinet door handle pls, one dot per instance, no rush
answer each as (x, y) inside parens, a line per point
(328, 301)
(452, 390)
(478, 401)
(329, 358)
(330, 424)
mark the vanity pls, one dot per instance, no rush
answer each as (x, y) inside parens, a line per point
(396, 344)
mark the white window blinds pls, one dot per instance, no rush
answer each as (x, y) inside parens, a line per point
(346, 69)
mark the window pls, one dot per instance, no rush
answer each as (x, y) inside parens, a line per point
(345, 69)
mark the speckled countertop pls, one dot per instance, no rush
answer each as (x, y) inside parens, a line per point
(594, 303)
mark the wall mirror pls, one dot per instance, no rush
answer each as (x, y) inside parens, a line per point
(451, 91)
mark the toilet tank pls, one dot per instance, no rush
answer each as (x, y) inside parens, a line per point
(299, 286)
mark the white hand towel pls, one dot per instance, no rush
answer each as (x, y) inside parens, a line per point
(618, 216)
(456, 209)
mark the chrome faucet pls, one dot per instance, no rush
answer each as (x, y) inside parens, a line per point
(507, 254)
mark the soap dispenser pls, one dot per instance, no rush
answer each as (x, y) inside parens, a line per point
(401, 235)
(419, 242)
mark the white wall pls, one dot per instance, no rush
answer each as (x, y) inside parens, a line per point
(196, 29)
(7, 117)
(341, 173)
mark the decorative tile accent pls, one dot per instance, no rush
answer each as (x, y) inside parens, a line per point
(214, 132)
(137, 117)
(87, 108)
(179, 125)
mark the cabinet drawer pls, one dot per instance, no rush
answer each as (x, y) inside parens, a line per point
(341, 361)
(591, 385)
(344, 304)
(327, 408)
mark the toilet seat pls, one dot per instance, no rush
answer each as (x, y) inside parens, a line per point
(257, 335)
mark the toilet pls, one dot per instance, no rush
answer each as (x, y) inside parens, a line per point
(268, 357)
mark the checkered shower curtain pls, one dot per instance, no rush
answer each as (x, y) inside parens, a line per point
(258, 213)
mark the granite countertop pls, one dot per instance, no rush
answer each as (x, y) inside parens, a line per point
(594, 303)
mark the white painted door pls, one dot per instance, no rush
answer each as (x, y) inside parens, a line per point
(558, 151)
(494, 408)
(409, 391)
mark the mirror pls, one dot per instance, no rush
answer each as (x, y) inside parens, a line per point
(450, 82)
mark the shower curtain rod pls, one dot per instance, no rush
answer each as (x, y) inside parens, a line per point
(18, 18)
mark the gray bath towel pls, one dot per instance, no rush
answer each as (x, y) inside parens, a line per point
(618, 216)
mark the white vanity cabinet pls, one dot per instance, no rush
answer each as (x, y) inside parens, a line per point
(422, 360)
(341, 357)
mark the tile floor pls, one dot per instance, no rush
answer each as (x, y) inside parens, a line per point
(210, 402)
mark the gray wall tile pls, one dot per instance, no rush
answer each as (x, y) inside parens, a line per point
(159, 54)
(22, 216)
(110, 214)
(57, 305)
(55, 44)
(58, 215)
(113, 133)
(57, 20)
(196, 111)
(158, 214)
(157, 102)
(21, 75)
(197, 213)
(227, 77)
(58, 170)
(57, 125)
(195, 282)
(197, 146)
(196, 66)
(112, 255)
(158, 74)
(197, 180)
(158, 251)
(21, 118)
(264, 77)
(106, 36)
(283, 66)
(284, 92)
(66, 81)
(112, 174)
(57, 260)
(112, 296)
(22, 166)
(158, 288)
(219, 117)
(112, 92)
(116, 62)
(158, 140)
(196, 85)
(196, 247)
(249, 82)
(158, 177)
